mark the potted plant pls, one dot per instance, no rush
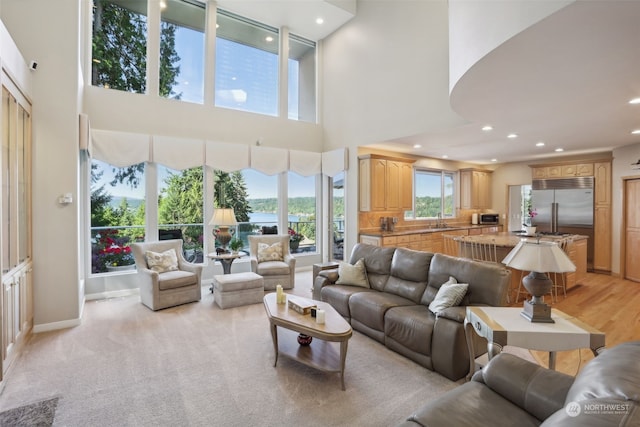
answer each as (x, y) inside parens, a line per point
(530, 229)
(111, 252)
(294, 239)
(236, 244)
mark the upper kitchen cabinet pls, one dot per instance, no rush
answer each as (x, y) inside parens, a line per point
(562, 170)
(475, 189)
(386, 183)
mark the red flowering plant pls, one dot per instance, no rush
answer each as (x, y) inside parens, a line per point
(109, 249)
(293, 236)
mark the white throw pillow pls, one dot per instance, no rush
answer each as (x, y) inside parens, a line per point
(450, 294)
(268, 252)
(162, 262)
(353, 275)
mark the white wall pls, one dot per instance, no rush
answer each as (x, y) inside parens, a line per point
(385, 75)
(48, 32)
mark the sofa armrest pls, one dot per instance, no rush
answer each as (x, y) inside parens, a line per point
(324, 278)
(457, 314)
(537, 390)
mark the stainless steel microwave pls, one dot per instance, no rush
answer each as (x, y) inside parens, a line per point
(489, 218)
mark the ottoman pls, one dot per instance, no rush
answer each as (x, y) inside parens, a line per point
(234, 290)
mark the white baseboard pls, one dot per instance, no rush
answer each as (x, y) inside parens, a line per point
(45, 327)
(112, 294)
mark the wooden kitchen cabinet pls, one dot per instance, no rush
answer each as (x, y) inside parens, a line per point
(602, 217)
(475, 189)
(386, 184)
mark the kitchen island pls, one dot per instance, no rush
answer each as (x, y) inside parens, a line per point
(505, 242)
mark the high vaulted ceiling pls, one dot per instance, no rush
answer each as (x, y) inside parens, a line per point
(566, 81)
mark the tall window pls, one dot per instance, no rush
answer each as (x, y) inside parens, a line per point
(246, 65)
(434, 194)
(182, 38)
(302, 79)
(337, 211)
(180, 204)
(120, 45)
(117, 214)
(302, 213)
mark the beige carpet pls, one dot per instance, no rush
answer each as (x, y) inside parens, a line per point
(199, 365)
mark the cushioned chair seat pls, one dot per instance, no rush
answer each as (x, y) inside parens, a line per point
(170, 288)
(272, 268)
(176, 279)
(274, 272)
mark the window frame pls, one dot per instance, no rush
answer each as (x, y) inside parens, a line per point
(443, 195)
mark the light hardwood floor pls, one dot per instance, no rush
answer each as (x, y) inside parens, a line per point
(607, 303)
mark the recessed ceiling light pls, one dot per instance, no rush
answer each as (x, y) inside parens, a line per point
(163, 5)
(487, 128)
(444, 156)
(635, 101)
(512, 135)
(494, 160)
(540, 144)
(417, 146)
(635, 132)
(319, 21)
(269, 38)
(559, 150)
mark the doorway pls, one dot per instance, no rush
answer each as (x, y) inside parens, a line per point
(631, 227)
(519, 201)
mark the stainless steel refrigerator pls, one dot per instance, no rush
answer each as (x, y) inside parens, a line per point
(564, 206)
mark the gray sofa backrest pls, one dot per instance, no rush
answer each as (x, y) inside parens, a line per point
(377, 261)
(488, 282)
(409, 274)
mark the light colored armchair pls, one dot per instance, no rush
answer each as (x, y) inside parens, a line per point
(160, 290)
(275, 272)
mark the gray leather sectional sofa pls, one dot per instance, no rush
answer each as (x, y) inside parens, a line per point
(510, 391)
(394, 309)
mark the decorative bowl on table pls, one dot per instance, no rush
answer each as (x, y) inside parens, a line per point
(304, 340)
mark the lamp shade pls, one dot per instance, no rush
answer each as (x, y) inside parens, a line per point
(224, 217)
(544, 257)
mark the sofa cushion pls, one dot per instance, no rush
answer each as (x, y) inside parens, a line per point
(472, 404)
(410, 326)
(488, 282)
(161, 262)
(603, 376)
(377, 261)
(338, 296)
(353, 275)
(268, 252)
(597, 413)
(370, 307)
(409, 274)
(450, 294)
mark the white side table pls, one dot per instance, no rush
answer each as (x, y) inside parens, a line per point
(502, 326)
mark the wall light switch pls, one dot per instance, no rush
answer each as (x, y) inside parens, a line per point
(65, 199)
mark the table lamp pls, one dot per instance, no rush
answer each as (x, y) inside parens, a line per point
(223, 218)
(539, 258)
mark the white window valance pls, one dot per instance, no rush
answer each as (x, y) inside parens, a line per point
(226, 156)
(269, 160)
(120, 149)
(334, 162)
(178, 153)
(305, 163)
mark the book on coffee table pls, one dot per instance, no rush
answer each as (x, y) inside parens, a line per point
(301, 305)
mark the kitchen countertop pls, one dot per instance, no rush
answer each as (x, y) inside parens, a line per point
(510, 240)
(380, 233)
